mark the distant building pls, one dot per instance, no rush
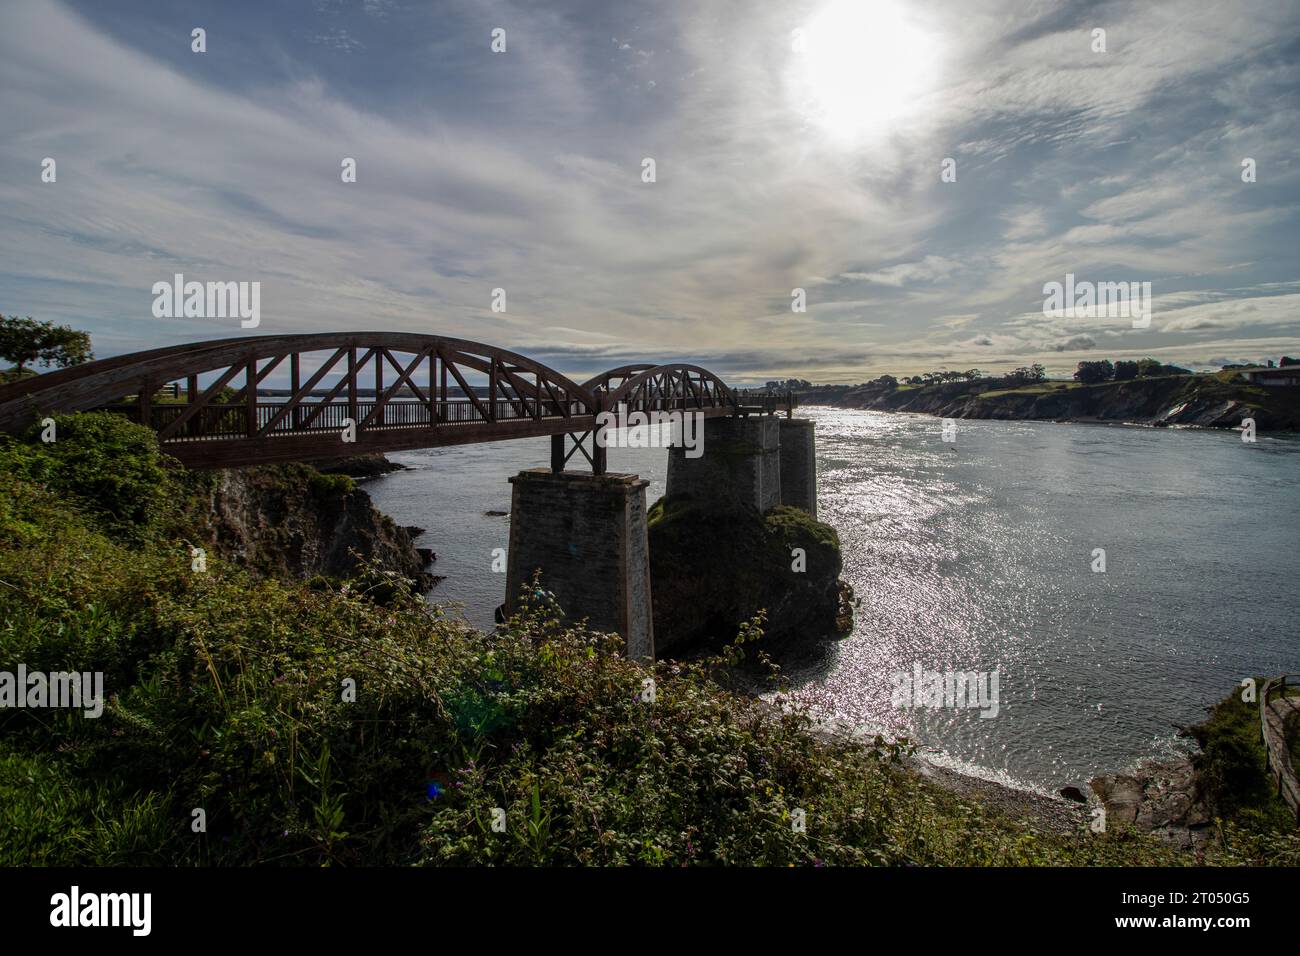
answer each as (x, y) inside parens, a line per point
(1263, 375)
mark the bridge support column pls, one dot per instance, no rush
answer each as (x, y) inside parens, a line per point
(799, 464)
(741, 464)
(587, 535)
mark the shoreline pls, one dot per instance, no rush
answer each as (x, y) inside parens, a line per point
(1197, 400)
(1080, 420)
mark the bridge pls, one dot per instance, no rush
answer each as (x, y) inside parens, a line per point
(397, 391)
(212, 406)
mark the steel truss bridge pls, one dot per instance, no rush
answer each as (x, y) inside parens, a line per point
(392, 391)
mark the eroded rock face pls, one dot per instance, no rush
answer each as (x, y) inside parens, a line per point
(291, 520)
(713, 569)
(1197, 400)
(1164, 798)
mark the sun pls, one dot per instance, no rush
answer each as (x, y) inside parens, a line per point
(861, 66)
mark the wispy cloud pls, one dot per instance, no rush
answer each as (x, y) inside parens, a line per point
(522, 171)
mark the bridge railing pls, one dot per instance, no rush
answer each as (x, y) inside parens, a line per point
(1273, 727)
(768, 402)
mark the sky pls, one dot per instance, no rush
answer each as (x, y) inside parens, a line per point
(796, 145)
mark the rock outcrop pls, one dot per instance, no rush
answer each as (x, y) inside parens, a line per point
(292, 520)
(1163, 798)
(712, 570)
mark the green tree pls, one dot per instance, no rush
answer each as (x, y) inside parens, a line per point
(1125, 370)
(1091, 372)
(1026, 375)
(26, 340)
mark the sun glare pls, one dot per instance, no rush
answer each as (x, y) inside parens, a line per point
(861, 66)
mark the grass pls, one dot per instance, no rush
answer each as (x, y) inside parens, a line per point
(1039, 388)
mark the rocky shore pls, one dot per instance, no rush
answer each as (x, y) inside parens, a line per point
(1162, 798)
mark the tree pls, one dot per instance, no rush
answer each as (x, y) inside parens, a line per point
(1148, 367)
(1125, 371)
(1091, 372)
(1288, 360)
(26, 340)
(888, 381)
(1026, 375)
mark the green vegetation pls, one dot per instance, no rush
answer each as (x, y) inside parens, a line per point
(109, 466)
(1041, 388)
(226, 692)
(1255, 824)
(25, 341)
(1091, 373)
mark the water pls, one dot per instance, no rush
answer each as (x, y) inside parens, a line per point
(977, 555)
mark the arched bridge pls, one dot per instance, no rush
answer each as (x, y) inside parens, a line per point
(213, 406)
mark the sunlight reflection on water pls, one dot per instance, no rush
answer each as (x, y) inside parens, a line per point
(975, 555)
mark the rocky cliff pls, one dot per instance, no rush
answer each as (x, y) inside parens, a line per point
(712, 570)
(292, 520)
(1202, 400)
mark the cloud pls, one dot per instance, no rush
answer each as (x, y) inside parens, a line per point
(523, 171)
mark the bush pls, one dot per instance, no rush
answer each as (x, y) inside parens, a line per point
(1231, 765)
(109, 466)
(329, 487)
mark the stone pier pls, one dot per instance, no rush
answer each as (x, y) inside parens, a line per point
(799, 464)
(587, 535)
(741, 464)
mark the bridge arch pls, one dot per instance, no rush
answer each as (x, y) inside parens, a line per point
(615, 377)
(672, 387)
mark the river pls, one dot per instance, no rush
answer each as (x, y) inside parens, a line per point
(978, 555)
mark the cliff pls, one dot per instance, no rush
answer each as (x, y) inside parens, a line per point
(1209, 401)
(294, 521)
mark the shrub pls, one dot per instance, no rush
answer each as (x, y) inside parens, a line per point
(108, 465)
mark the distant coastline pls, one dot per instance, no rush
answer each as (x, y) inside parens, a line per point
(1218, 400)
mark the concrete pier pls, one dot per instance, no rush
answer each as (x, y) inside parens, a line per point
(587, 535)
(799, 464)
(741, 464)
